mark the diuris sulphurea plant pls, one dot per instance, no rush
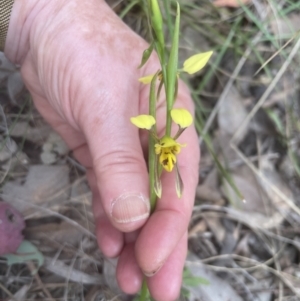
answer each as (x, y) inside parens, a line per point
(164, 150)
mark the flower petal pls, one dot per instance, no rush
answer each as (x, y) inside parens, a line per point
(182, 117)
(143, 121)
(167, 159)
(196, 62)
(146, 79)
(167, 141)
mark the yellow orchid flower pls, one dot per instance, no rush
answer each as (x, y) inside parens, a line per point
(191, 65)
(196, 62)
(167, 148)
(182, 117)
(143, 121)
(146, 79)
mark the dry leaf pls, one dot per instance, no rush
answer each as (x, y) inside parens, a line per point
(286, 26)
(215, 225)
(198, 228)
(257, 208)
(44, 184)
(11, 226)
(248, 186)
(272, 177)
(109, 273)
(53, 148)
(70, 273)
(8, 148)
(48, 158)
(206, 193)
(232, 113)
(209, 189)
(34, 134)
(55, 232)
(217, 289)
(15, 86)
(21, 294)
(6, 67)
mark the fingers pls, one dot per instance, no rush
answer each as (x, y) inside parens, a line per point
(170, 220)
(118, 161)
(161, 246)
(109, 238)
(170, 275)
(129, 274)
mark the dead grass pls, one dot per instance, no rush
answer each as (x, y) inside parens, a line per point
(247, 109)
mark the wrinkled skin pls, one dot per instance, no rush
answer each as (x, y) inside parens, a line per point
(79, 61)
(11, 227)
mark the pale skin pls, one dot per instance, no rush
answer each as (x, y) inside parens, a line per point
(79, 62)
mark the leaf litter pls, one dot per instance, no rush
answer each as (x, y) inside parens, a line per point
(244, 250)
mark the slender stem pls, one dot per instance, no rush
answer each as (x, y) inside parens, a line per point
(171, 70)
(169, 121)
(179, 132)
(169, 106)
(151, 155)
(161, 52)
(144, 291)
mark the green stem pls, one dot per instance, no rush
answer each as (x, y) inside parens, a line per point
(144, 291)
(169, 121)
(171, 71)
(151, 155)
(151, 164)
(169, 105)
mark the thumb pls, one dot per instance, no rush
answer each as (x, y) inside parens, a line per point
(119, 164)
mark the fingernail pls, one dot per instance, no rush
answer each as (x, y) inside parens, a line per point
(130, 207)
(150, 274)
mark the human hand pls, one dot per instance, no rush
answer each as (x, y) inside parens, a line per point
(79, 62)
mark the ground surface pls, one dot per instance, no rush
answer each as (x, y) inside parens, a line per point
(244, 236)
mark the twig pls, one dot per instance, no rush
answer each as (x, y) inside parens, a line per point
(32, 269)
(282, 276)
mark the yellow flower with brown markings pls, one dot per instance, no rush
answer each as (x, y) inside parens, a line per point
(167, 148)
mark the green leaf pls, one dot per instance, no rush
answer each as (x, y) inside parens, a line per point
(185, 292)
(172, 65)
(157, 182)
(195, 281)
(190, 280)
(146, 55)
(178, 182)
(26, 252)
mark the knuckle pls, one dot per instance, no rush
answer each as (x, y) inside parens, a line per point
(120, 162)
